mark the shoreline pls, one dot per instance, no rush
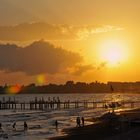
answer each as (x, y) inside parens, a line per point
(123, 127)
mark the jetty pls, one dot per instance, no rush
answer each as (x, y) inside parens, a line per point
(55, 103)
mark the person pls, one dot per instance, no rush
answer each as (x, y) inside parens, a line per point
(83, 121)
(25, 126)
(56, 124)
(78, 121)
(14, 125)
(0, 126)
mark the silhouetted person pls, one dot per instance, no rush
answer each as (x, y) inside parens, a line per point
(78, 121)
(0, 126)
(83, 121)
(106, 106)
(111, 88)
(25, 126)
(14, 125)
(56, 124)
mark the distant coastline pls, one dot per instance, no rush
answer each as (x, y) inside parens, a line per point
(71, 87)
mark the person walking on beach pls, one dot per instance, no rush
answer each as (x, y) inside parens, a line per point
(78, 121)
(25, 126)
(83, 121)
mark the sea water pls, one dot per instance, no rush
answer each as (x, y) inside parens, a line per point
(41, 124)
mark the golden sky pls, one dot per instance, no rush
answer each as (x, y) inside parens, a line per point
(88, 40)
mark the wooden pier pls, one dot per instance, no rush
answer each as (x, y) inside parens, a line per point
(53, 104)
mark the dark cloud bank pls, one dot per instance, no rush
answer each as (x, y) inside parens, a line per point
(38, 57)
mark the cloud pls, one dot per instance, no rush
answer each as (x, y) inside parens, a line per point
(86, 31)
(38, 57)
(35, 31)
(102, 65)
(80, 69)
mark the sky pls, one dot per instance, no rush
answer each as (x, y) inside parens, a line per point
(52, 41)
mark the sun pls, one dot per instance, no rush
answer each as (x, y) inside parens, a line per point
(113, 52)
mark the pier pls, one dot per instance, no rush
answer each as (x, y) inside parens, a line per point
(53, 104)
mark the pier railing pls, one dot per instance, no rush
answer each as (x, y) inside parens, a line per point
(42, 104)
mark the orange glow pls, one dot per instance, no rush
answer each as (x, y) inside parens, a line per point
(13, 89)
(113, 52)
(41, 79)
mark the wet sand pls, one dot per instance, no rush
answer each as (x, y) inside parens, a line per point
(125, 127)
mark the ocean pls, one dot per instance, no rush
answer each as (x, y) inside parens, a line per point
(41, 123)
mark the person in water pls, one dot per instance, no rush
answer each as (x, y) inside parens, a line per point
(25, 126)
(0, 126)
(56, 124)
(14, 125)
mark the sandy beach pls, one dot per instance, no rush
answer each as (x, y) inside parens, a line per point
(126, 126)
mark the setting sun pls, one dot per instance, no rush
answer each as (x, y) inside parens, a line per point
(113, 52)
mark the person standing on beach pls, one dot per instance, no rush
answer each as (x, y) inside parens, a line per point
(83, 121)
(78, 121)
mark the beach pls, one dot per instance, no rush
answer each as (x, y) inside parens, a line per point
(41, 123)
(126, 127)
